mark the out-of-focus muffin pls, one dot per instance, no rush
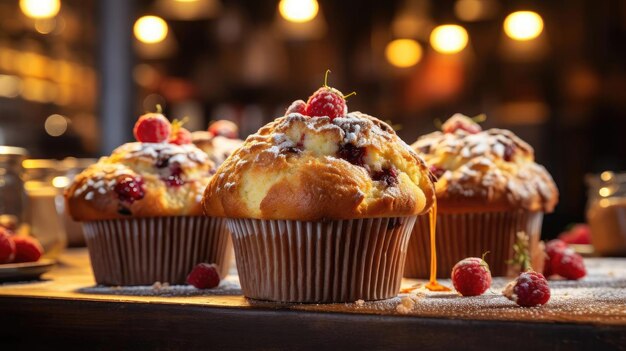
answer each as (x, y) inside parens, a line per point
(141, 211)
(488, 189)
(219, 141)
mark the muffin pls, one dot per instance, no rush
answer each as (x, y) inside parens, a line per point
(221, 139)
(491, 196)
(141, 213)
(321, 204)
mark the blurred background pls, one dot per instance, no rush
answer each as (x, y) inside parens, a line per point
(75, 74)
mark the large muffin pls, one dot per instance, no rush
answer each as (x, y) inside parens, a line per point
(321, 208)
(489, 189)
(141, 213)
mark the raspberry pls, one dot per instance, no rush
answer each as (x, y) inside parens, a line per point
(578, 234)
(509, 151)
(551, 248)
(7, 246)
(528, 289)
(568, 264)
(152, 128)
(471, 276)
(224, 128)
(180, 137)
(129, 189)
(27, 249)
(297, 106)
(204, 276)
(328, 102)
(353, 154)
(460, 122)
(563, 261)
(174, 179)
(387, 175)
(437, 171)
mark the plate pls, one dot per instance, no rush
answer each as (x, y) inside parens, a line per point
(25, 271)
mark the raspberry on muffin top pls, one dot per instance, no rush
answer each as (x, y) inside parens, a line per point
(487, 169)
(302, 167)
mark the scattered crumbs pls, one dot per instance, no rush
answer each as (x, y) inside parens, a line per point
(406, 305)
(359, 302)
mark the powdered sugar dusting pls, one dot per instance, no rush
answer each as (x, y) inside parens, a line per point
(599, 298)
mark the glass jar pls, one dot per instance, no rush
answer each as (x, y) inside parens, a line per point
(606, 213)
(12, 197)
(42, 216)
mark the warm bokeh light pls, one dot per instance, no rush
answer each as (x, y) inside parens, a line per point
(298, 11)
(606, 176)
(60, 182)
(55, 125)
(403, 52)
(523, 25)
(150, 29)
(449, 38)
(40, 8)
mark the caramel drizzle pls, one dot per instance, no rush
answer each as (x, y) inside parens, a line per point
(433, 285)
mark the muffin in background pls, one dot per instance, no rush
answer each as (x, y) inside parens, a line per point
(141, 211)
(219, 141)
(488, 190)
(321, 204)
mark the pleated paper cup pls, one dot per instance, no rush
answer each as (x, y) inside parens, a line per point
(141, 251)
(322, 261)
(461, 235)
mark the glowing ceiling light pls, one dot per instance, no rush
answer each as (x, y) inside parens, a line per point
(403, 52)
(523, 25)
(55, 125)
(40, 8)
(449, 38)
(298, 11)
(150, 29)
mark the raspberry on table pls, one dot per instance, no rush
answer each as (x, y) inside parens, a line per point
(528, 289)
(568, 264)
(152, 128)
(204, 276)
(563, 261)
(7, 246)
(27, 249)
(471, 276)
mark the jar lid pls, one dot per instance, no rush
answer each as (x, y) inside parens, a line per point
(13, 151)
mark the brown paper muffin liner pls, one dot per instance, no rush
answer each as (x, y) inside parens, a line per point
(461, 235)
(322, 261)
(141, 251)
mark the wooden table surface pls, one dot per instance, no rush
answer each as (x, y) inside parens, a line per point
(66, 309)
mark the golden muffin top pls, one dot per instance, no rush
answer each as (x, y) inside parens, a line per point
(142, 179)
(303, 167)
(485, 170)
